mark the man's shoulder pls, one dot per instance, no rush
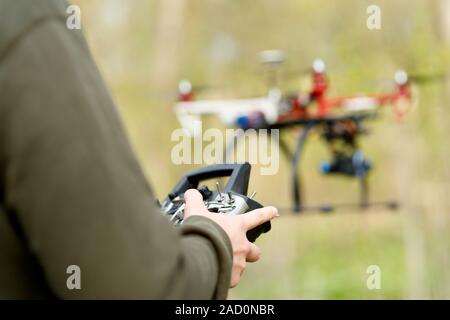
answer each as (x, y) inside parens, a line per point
(17, 17)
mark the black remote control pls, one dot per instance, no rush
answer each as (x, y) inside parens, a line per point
(232, 200)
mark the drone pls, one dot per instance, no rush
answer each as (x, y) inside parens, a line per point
(339, 120)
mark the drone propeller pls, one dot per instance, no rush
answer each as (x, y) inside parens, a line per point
(271, 57)
(318, 66)
(401, 77)
(428, 78)
(174, 94)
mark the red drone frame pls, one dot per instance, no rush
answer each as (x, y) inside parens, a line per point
(299, 104)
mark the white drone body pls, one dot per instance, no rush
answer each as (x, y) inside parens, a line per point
(190, 112)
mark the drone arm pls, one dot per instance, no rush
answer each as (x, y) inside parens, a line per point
(227, 110)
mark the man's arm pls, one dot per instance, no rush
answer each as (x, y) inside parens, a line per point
(78, 192)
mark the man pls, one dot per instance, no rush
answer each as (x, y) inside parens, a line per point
(72, 192)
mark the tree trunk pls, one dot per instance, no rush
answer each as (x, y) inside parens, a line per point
(168, 43)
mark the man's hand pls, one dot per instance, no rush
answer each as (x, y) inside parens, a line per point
(235, 227)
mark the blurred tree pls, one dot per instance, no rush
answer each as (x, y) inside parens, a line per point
(168, 42)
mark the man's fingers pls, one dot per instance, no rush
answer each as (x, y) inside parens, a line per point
(259, 216)
(193, 203)
(238, 268)
(235, 278)
(254, 254)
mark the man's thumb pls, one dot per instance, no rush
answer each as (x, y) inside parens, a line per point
(193, 203)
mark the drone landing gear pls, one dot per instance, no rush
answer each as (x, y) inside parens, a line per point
(295, 160)
(340, 134)
(329, 208)
(353, 165)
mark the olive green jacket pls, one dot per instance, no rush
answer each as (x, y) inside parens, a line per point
(71, 189)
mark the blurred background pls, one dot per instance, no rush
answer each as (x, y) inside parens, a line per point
(145, 47)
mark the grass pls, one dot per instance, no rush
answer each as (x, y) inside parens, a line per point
(317, 256)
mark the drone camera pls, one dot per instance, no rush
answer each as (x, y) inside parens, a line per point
(351, 165)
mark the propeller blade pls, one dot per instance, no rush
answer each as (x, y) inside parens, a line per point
(427, 78)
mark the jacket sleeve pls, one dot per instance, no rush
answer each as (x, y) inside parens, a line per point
(77, 189)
